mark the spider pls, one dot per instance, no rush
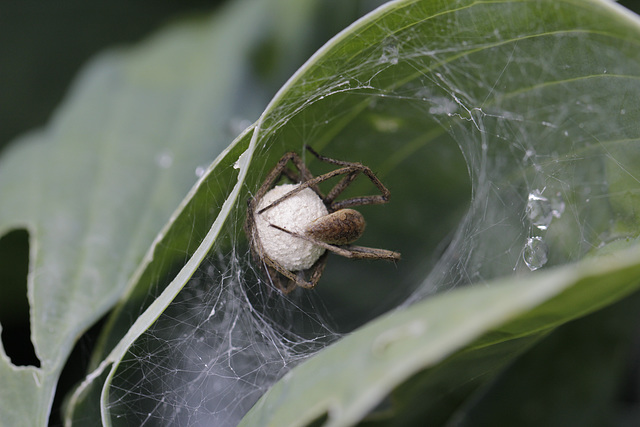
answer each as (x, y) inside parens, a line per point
(292, 227)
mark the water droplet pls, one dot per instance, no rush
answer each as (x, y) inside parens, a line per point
(200, 170)
(539, 210)
(164, 159)
(535, 253)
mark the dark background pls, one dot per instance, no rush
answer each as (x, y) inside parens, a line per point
(43, 44)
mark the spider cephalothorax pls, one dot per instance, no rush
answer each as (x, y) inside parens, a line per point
(290, 227)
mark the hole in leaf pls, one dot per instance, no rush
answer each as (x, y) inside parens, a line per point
(14, 305)
(75, 370)
(320, 421)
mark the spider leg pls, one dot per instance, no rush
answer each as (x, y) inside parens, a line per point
(290, 284)
(378, 199)
(339, 188)
(281, 169)
(277, 281)
(294, 279)
(278, 170)
(317, 270)
(327, 159)
(363, 252)
(293, 177)
(311, 183)
(268, 265)
(356, 168)
(348, 251)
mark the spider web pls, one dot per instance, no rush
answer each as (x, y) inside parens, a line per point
(487, 178)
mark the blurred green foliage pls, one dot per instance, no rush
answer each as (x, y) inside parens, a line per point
(43, 44)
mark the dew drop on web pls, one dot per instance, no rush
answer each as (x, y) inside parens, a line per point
(541, 210)
(535, 253)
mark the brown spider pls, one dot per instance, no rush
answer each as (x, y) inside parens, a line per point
(333, 227)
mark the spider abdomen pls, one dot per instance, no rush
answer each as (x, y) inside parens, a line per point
(338, 228)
